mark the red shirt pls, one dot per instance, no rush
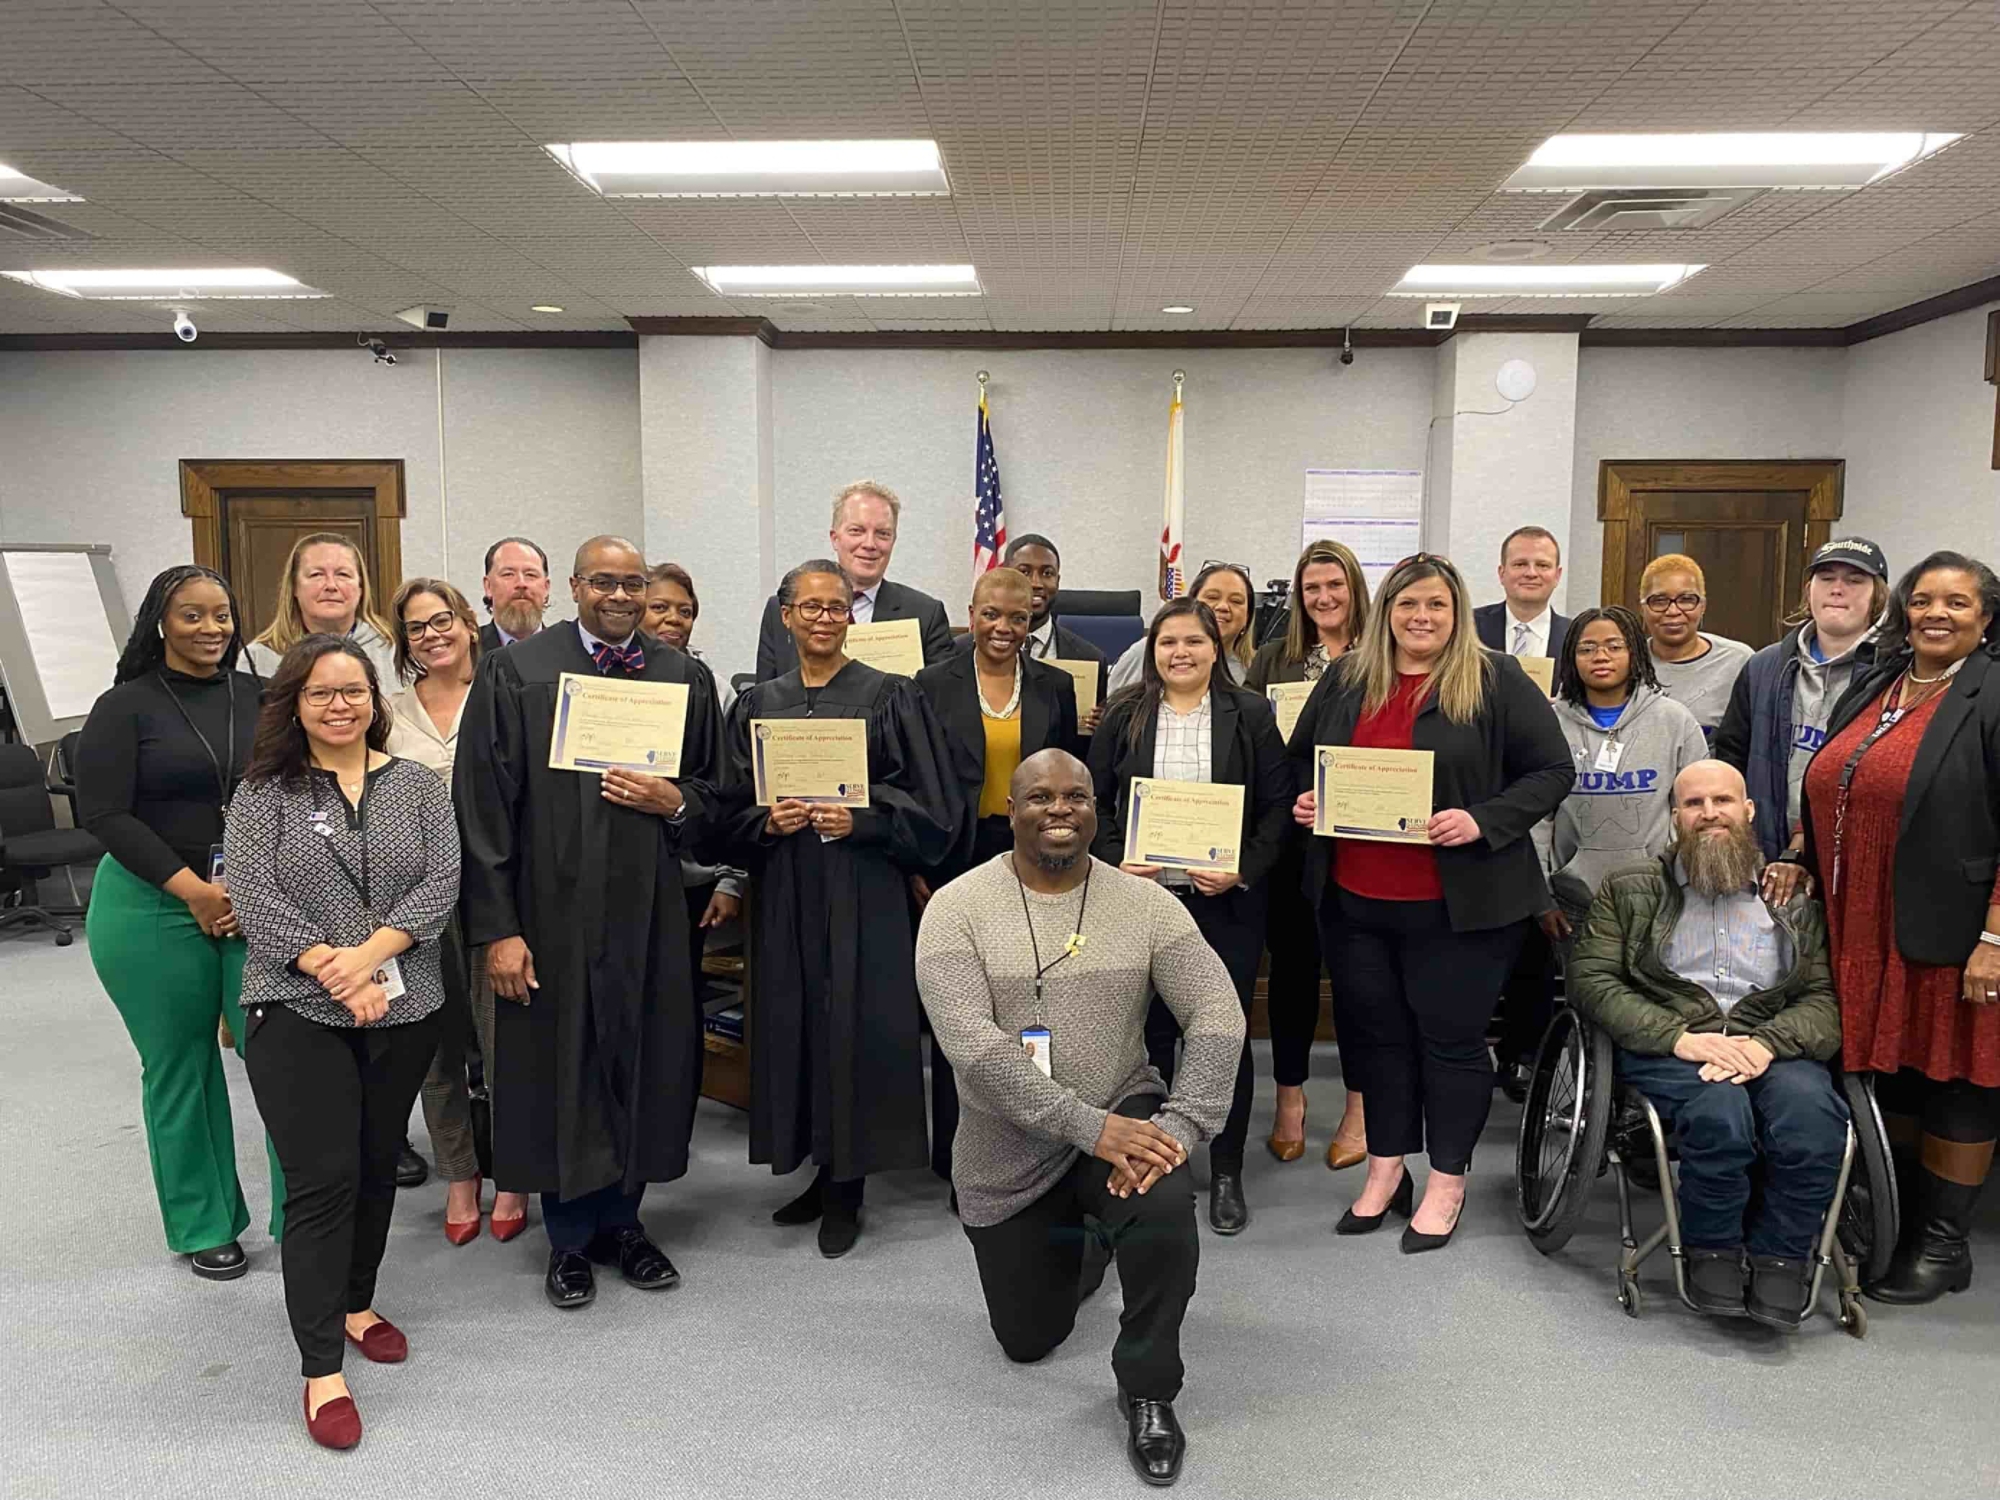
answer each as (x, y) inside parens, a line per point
(1389, 872)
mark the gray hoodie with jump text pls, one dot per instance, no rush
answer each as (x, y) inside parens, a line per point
(1619, 811)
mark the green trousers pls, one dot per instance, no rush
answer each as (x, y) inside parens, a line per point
(172, 984)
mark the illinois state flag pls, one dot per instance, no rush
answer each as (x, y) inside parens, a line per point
(989, 518)
(1173, 576)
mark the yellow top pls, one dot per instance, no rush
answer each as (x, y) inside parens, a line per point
(1003, 758)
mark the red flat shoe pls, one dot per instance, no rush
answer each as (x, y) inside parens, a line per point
(382, 1342)
(505, 1229)
(336, 1424)
(461, 1234)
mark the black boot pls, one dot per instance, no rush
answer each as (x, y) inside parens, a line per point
(840, 1221)
(1933, 1254)
(804, 1208)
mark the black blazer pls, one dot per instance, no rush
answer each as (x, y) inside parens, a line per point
(490, 639)
(777, 655)
(1510, 768)
(1494, 625)
(1048, 720)
(1244, 749)
(1949, 836)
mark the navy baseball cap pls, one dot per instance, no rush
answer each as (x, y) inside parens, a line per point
(1855, 552)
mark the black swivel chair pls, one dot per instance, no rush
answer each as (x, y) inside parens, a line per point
(1107, 618)
(32, 848)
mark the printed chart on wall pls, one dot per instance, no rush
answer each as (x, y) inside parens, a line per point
(1376, 512)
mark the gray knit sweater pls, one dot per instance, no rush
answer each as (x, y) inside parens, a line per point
(1018, 1132)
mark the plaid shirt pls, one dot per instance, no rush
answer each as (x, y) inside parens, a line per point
(1729, 945)
(1182, 751)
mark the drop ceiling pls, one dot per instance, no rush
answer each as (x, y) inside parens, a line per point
(1276, 165)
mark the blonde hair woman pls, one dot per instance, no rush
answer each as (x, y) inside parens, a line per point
(328, 594)
(1325, 616)
(1423, 934)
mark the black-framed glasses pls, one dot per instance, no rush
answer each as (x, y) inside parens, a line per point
(813, 609)
(440, 623)
(610, 583)
(1661, 604)
(353, 695)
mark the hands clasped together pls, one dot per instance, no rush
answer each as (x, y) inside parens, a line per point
(1140, 1153)
(1724, 1059)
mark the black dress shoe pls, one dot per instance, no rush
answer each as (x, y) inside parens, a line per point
(804, 1208)
(223, 1263)
(1154, 1440)
(1227, 1212)
(570, 1282)
(1780, 1289)
(411, 1169)
(640, 1261)
(1715, 1282)
(839, 1227)
(1400, 1202)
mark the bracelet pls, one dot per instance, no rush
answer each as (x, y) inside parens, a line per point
(1990, 937)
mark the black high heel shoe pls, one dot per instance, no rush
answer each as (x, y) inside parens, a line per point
(1400, 1202)
(1415, 1242)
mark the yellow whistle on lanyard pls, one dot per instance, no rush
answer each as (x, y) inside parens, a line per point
(1075, 944)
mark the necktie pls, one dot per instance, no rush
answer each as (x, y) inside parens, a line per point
(628, 657)
(1521, 640)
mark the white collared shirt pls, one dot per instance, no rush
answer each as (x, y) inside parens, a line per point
(591, 642)
(1528, 637)
(1042, 641)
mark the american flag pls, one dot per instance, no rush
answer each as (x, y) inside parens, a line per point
(989, 519)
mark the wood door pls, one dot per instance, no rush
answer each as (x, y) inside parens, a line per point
(247, 514)
(1751, 524)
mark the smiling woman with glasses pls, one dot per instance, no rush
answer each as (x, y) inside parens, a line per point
(1696, 669)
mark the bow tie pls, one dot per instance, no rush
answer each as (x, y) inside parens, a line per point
(628, 657)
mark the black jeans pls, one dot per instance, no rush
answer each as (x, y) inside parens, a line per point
(572, 1223)
(336, 1101)
(1029, 1266)
(1411, 1012)
(1528, 998)
(1292, 994)
(1233, 924)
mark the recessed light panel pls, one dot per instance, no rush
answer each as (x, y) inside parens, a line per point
(1540, 281)
(757, 169)
(1778, 159)
(1177, 307)
(19, 187)
(219, 284)
(841, 281)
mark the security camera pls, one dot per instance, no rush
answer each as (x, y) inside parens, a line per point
(1441, 317)
(377, 348)
(184, 328)
(432, 319)
(1347, 346)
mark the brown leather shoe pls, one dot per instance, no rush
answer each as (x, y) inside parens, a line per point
(1286, 1150)
(1340, 1156)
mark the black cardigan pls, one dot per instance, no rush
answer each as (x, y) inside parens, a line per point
(1048, 721)
(1949, 836)
(1509, 768)
(1244, 750)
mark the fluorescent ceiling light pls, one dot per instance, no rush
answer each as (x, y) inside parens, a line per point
(841, 281)
(1840, 159)
(1177, 307)
(19, 187)
(757, 169)
(1540, 281)
(224, 283)
(548, 307)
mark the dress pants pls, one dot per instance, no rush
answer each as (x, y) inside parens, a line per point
(1233, 924)
(1411, 1010)
(1528, 998)
(1792, 1118)
(1029, 1266)
(1292, 995)
(446, 1096)
(336, 1100)
(172, 983)
(573, 1223)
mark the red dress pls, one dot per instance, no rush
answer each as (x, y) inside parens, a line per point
(1893, 1013)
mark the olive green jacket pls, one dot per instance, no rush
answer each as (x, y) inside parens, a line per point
(1617, 980)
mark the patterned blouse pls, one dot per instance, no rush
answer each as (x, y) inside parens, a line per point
(298, 861)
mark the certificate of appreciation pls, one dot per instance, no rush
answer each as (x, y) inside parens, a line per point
(1287, 700)
(1084, 675)
(1184, 825)
(810, 760)
(1383, 795)
(894, 646)
(1541, 672)
(612, 724)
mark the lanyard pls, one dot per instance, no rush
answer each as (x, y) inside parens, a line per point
(1069, 948)
(362, 882)
(224, 779)
(1893, 713)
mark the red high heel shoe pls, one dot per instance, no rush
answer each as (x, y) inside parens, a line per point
(505, 1229)
(382, 1342)
(336, 1424)
(466, 1233)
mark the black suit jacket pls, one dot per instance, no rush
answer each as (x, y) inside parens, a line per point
(777, 655)
(490, 639)
(1948, 839)
(1244, 749)
(1495, 625)
(1048, 720)
(1509, 767)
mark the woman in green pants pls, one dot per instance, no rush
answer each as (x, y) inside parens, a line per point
(156, 764)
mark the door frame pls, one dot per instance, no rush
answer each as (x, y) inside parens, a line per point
(1617, 479)
(205, 481)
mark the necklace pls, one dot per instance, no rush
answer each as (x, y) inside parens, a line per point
(1946, 675)
(1013, 704)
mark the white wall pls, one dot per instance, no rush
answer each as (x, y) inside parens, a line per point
(1919, 419)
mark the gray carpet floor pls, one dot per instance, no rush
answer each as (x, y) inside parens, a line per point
(1316, 1366)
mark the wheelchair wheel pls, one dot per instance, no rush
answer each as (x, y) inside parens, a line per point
(1563, 1125)
(1870, 1215)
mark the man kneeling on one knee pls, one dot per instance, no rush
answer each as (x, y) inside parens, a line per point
(1722, 1008)
(1036, 969)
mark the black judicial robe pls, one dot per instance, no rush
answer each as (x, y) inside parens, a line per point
(595, 1079)
(836, 1071)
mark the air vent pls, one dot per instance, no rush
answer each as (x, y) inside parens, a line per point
(1648, 208)
(25, 224)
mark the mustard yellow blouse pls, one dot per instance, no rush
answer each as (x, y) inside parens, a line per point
(1003, 758)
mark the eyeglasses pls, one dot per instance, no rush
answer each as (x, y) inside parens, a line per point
(609, 584)
(813, 609)
(1661, 604)
(353, 695)
(1216, 562)
(439, 622)
(1589, 649)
